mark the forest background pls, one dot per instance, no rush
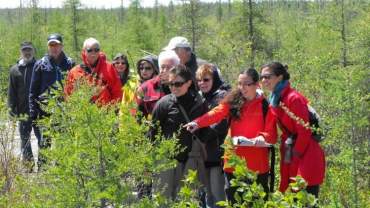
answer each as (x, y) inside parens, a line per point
(325, 43)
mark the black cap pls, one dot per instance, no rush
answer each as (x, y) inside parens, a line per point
(26, 44)
(56, 38)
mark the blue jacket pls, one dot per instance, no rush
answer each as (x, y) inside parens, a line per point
(46, 74)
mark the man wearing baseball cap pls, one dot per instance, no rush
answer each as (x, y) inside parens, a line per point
(18, 90)
(183, 50)
(47, 76)
(48, 73)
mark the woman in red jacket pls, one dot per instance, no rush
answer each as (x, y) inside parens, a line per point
(306, 157)
(244, 108)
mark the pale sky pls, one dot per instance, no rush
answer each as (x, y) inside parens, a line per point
(85, 3)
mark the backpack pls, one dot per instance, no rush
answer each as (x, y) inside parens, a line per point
(313, 122)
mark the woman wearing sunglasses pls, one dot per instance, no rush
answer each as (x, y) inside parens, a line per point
(306, 157)
(147, 68)
(122, 67)
(171, 112)
(213, 90)
(244, 107)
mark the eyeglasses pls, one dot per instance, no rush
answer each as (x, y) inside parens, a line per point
(89, 50)
(246, 84)
(118, 63)
(266, 76)
(176, 84)
(204, 80)
(148, 68)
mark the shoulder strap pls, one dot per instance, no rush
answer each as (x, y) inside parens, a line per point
(85, 68)
(183, 112)
(265, 108)
(196, 138)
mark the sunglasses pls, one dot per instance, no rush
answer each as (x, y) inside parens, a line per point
(118, 63)
(89, 50)
(176, 84)
(204, 80)
(148, 68)
(266, 76)
(246, 84)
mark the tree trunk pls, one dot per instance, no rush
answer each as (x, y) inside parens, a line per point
(343, 36)
(74, 28)
(251, 33)
(193, 23)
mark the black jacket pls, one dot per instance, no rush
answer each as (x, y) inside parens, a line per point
(193, 63)
(218, 131)
(170, 118)
(19, 85)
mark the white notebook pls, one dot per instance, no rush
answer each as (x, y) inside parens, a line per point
(243, 141)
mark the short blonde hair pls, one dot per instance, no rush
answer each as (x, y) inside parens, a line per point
(204, 70)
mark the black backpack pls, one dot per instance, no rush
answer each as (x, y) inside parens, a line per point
(314, 120)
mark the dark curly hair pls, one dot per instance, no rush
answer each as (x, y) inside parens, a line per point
(235, 98)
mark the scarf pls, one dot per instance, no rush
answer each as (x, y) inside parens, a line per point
(275, 95)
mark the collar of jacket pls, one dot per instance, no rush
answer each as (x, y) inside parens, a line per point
(21, 62)
(198, 100)
(192, 61)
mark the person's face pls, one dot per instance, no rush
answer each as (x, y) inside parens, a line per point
(55, 49)
(120, 64)
(146, 70)
(92, 53)
(205, 83)
(178, 85)
(269, 80)
(164, 69)
(27, 54)
(247, 87)
(183, 54)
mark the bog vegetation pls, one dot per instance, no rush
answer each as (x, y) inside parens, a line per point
(97, 154)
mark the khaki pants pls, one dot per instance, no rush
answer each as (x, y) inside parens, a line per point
(168, 182)
(216, 192)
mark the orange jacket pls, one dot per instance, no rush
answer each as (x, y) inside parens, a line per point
(250, 125)
(103, 75)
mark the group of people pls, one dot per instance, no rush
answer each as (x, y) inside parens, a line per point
(188, 101)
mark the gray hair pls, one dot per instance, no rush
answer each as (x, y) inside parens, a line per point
(90, 41)
(168, 54)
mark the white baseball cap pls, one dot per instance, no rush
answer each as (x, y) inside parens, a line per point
(177, 42)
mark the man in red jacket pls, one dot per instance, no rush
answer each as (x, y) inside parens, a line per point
(96, 71)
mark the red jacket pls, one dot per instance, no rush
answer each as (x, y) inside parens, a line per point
(250, 125)
(308, 157)
(102, 75)
(148, 94)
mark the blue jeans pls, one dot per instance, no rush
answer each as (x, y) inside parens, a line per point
(25, 128)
